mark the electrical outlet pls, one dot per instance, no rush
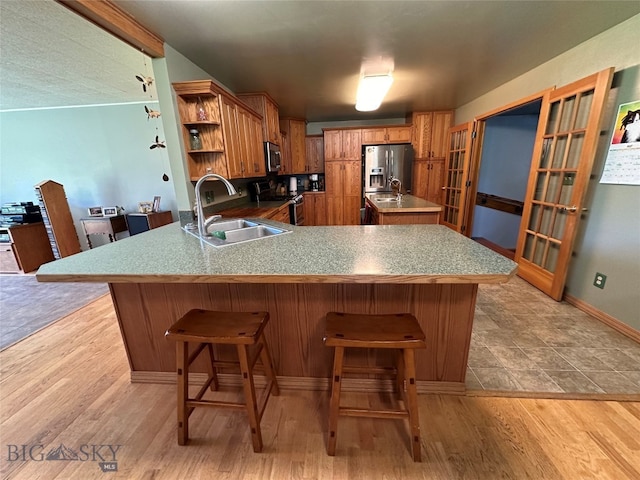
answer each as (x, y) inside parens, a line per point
(600, 280)
(208, 196)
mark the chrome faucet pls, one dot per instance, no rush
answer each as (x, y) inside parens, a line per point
(202, 223)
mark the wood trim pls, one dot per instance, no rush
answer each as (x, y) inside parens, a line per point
(282, 279)
(515, 104)
(605, 318)
(497, 202)
(613, 397)
(304, 383)
(505, 252)
(119, 23)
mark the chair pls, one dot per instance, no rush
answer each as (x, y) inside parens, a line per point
(244, 330)
(396, 331)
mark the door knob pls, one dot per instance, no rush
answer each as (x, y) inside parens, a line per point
(571, 209)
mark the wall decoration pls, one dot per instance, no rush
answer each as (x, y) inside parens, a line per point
(151, 113)
(145, 207)
(147, 81)
(158, 144)
(109, 211)
(95, 211)
(622, 165)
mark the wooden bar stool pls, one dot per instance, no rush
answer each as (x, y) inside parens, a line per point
(399, 331)
(233, 328)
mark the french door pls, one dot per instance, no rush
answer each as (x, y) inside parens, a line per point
(456, 177)
(563, 154)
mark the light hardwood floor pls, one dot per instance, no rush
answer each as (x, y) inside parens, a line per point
(69, 385)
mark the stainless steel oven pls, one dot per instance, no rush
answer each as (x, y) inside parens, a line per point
(296, 210)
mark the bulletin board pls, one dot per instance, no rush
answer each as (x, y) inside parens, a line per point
(622, 165)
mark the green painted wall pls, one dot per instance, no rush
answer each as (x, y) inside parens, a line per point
(609, 236)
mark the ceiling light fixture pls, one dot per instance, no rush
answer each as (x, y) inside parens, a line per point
(371, 91)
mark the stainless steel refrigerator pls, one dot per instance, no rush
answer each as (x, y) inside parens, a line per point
(384, 162)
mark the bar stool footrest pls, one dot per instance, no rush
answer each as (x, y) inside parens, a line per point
(359, 412)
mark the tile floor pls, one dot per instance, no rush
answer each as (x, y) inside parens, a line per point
(524, 341)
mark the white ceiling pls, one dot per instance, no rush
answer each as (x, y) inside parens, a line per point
(51, 57)
(306, 54)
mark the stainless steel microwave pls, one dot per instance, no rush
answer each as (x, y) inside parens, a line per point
(272, 155)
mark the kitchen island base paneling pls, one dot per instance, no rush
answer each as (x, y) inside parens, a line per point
(445, 313)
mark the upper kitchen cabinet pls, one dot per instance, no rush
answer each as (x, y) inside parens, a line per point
(230, 134)
(293, 148)
(342, 144)
(383, 135)
(251, 146)
(199, 109)
(263, 104)
(430, 133)
(314, 153)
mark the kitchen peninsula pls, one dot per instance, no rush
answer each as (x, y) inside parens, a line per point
(428, 270)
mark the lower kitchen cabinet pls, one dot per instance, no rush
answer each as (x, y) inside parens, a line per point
(343, 183)
(428, 179)
(282, 214)
(315, 208)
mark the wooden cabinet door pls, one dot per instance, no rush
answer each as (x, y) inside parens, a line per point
(352, 144)
(272, 122)
(314, 153)
(332, 145)
(351, 205)
(400, 134)
(435, 181)
(334, 198)
(297, 133)
(440, 133)
(343, 196)
(352, 178)
(232, 147)
(315, 211)
(263, 104)
(422, 125)
(309, 210)
(258, 165)
(420, 178)
(285, 155)
(373, 136)
(244, 132)
(320, 217)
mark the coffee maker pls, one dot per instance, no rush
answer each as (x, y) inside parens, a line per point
(314, 184)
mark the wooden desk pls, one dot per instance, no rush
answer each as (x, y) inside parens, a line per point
(141, 222)
(103, 226)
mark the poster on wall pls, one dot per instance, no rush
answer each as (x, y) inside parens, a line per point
(623, 160)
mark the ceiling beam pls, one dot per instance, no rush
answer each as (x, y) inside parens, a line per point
(119, 23)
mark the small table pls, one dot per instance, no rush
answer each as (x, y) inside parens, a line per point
(104, 226)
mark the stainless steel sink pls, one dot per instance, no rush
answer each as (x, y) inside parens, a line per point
(226, 225)
(251, 233)
(235, 231)
(386, 200)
